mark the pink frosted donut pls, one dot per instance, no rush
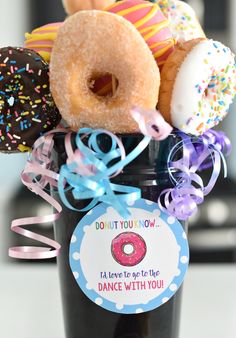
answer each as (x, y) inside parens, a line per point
(41, 39)
(128, 249)
(151, 23)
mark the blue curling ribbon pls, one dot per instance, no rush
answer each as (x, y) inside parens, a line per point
(96, 185)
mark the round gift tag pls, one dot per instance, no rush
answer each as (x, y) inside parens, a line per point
(129, 265)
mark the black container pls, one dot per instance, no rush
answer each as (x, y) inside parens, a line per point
(83, 318)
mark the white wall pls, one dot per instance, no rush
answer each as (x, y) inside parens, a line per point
(13, 21)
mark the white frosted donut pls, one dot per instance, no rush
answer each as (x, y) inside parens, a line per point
(184, 24)
(91, 44)
(202, 86)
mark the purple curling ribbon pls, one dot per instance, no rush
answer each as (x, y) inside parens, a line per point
(197, 154)
(189, 189)
(216, 139)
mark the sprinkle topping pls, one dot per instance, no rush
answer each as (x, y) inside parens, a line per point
(184, 24)
(202, 98)
(24, 112)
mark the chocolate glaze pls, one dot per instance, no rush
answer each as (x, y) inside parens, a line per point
(27, 109)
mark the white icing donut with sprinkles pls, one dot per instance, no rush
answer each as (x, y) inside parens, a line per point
(184, 24)
(198, 84)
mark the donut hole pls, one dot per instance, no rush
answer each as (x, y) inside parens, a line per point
(103, 84)
(128, 249)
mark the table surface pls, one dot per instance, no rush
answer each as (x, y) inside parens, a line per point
(30, 302)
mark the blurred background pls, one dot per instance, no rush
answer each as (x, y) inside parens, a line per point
(29, 291)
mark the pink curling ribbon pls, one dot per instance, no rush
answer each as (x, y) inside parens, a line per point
(151, 123)
(183, 199)
(36, 176)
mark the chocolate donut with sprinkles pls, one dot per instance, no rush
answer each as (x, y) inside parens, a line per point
(27, 109)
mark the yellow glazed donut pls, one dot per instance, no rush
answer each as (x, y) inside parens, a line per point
(73, 6)
(92, 44)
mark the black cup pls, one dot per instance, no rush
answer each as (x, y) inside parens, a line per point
(83, 318)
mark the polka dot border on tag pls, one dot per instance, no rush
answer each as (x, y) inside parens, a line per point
(74, 257)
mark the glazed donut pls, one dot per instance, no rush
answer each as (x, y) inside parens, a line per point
(198, 83)
(92, 44)
(41, 39)
(184, 24)
(149, 20)
(73, 6)
(26, 105)
(128, 249)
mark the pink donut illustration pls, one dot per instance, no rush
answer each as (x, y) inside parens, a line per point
(128, 248)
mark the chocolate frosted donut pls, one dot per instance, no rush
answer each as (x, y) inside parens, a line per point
(27, 108)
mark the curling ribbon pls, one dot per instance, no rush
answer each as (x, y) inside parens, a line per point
(151, 123)
(38, 165)
(89, 169)
(199, 153)
(183, 199)
(216, 139)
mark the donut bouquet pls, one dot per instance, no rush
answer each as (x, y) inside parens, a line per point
(127, 67)
(135, 53)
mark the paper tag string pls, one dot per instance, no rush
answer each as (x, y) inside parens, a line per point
(89, 169)
(36, 176)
